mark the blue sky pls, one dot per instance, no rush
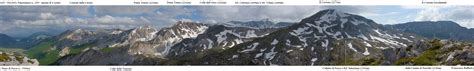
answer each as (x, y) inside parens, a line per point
(391, 15)
(24, 20)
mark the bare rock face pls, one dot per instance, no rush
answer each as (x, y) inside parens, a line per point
(8, 59)
(437, 52)
(119, 47)
(64, 51)
(216, 38)
(147, 45)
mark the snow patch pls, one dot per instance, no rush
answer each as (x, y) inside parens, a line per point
(235, 56)
(288, 42)
(300, 31)
(343, 22)
(325, 44)
(348, 36)
(387, 38)
(270, 55)
(209, 46)
(189, 33)
(116, 32)
(392, 42)
(288, 51)
(320, 30)
(236, 41)
(148, 36)
(251, 33)
(350, 46)
(326, 18)
(251, 47)
(274, 42)
(261, 50)
(367, 44)
(382, 48)
(313, 60)
(342, 14)
(222, 36)
(378, 32)
(258, 55)
(450, 57)
(357, 22)
(193, 33)
(363, 36)
(366, 52)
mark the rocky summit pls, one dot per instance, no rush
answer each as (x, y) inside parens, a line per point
(329, 37)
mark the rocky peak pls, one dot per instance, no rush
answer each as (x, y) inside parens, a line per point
(143, 33)
(316, 39)
(337, 24)
(76, 34)
(168, 37)
(332, 16)
(184, 30)
(39, 35)
(184, 23)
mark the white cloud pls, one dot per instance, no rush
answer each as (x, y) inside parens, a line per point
(107, 19)
(47, 16)
(60, 10)
(124, 10)
(65, 17)
(463, 15)
(53, 18)
(391, 21)
(377, 14)
(430, 14)
(49, 22)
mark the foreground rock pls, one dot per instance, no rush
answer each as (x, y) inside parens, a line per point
(8, 59)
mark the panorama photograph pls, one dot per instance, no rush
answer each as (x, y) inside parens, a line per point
(376, 35)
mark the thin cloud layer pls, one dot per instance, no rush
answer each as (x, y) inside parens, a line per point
(21, 21)
(464, 15)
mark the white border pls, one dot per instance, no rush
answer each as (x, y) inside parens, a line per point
(232, 2)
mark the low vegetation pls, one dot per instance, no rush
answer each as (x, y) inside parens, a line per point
(44, 53)
(4, 57)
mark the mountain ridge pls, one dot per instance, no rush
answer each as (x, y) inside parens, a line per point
(328, 37)
(331, 33)
(436, 29)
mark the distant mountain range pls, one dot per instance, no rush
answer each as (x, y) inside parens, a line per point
(264, 23)
(329, 37)
(436, 29)
(11, 42)
(6, 41)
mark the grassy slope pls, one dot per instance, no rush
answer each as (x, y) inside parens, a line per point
(428, 57)
(44, 52)
(12, 50)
